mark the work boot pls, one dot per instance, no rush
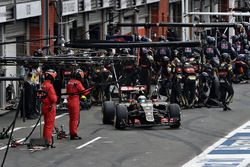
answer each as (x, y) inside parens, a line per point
(75, 137)
(226, 108)
(50, 145)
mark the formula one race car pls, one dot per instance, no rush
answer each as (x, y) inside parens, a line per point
(135, 110)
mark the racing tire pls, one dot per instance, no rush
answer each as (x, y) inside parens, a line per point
(108, 112)
(175, 112)
(121, 117)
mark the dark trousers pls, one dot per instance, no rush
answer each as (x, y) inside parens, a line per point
(30, 104)
(227, 92)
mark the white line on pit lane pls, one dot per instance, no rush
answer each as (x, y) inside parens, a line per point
(18, 128)
(92, 141)
(59, 116)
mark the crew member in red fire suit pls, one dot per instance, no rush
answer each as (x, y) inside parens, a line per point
(49, 105)
(74, 90)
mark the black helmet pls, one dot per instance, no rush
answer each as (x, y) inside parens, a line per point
(235, 38)
(38, 53)
(248, 28)
(125, 51)
(162, 38)
(241, 57)
(247, 47)
(78, 74)
(165, 59)
(183, 59)
(204, 76)
(50, 75)
(226, 57)
(145, 39)
(243, 36)
(245, 41)
(208, 69)
(175, 53)
(144, 51)
(210, 40)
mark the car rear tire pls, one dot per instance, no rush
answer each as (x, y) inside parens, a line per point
(121, 117)
(108, 112)
(175, 112)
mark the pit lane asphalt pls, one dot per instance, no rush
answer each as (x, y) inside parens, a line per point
(103, 146)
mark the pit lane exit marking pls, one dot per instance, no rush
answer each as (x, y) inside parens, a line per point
(91, 141)
(231, 151)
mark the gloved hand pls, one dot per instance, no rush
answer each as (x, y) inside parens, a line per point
(83, 98)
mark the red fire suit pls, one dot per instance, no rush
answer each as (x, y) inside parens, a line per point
(73, 88)
(49, 110)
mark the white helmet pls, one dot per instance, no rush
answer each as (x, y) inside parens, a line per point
(142, 99)
(150, 58)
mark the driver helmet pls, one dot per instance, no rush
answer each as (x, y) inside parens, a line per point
(142, 99)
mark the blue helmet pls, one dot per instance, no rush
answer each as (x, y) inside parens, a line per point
(142, 99)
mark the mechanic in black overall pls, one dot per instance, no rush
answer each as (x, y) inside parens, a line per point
(212, 56)
(161, 52)
(166, 77)
(145, 62)
(225, 74)
(30, 98)
(225, 46)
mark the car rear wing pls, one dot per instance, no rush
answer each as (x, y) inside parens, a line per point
(133, 88)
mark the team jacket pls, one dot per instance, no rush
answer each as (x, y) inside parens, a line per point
(74, 87)
(51, 94)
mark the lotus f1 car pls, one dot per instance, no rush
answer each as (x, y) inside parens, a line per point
(134, 110)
